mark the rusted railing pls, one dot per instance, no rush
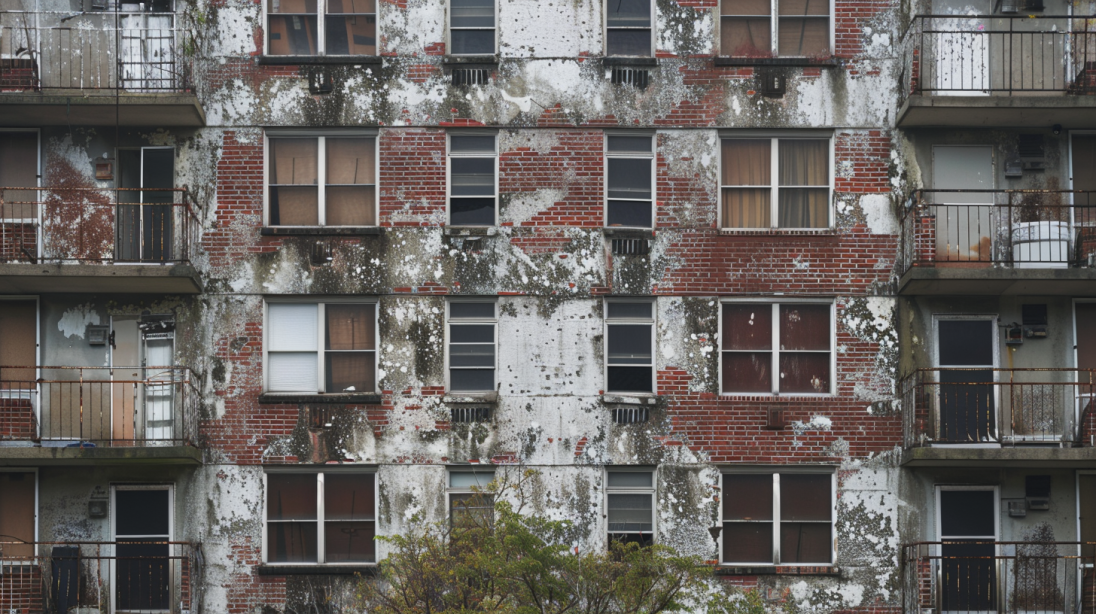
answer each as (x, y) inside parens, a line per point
(86, 406)
(99, 50)
(970, 575)
(1012, 228)
(142, 575)
(91, 225)
(986, 405)
(970, 55)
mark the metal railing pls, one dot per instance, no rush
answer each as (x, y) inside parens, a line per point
(142, 575)
(92, 225)
(1011, 228)
(970, 575)
(986, 405)
(89, 407)
(999, 54)
(99, 50)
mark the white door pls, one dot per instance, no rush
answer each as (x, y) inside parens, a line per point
(959, 42)
(964, 220)
(148, 62)
(159, 386)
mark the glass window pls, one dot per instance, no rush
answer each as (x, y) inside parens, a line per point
(797, 350)
(472, 27)
(303, 528)
(796, 196)
(629, 344)
(802, 28)
(470, 505)
(472, 188)
(629, 181)
(346, 196)
(345, 361)
(349, 27)
(630, 512)
(777, 518)
(628, 28)
(472, 346)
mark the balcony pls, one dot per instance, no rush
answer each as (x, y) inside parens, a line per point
(123, 576)
(98, 240)
(95, 68)
(962, 242)
(979, 416)
(966, 576)
(998, 71)
(64, 415)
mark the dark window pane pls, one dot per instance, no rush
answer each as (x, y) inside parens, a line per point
(472, 42)
(472, 355)
(628, 309)
(143, 574)
(349, 542)
(473, 13)
(628, 144)
(804, 162)
(471, 310)
(628, 42)
(465, 143)
(293, 35)
(628, 13)
(629, 513)
(350, 372)
(472, 333)
(966, 342)
(802, 542)
(629, 344)
(472, 380)
(747, 497)
(804, 327)
(804, 207)
(630, 479)
(748, 327)
(291, 496)
(643, 539)
(471, 509)
(630, 379)
(349, 496)
(748, 542)
(141, 512)
(745, 7)
(294, 206)
(805, 497)
(293, 6)
(472, 176)
(351, 35)
(629, 178)
(629, 213)
(291, 542)
(349, 327)
(808, 373)
(747, 372)
(966, 513)
(472, 211)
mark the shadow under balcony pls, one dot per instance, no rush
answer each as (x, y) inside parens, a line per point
(76, 415)
(96, 68)
(979, 417)
(127, 240)
(998, 71)
(998, 242)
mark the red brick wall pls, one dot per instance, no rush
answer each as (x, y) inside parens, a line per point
(21, 589)
(17, 420)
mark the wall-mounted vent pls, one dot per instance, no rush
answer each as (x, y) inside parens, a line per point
(321, 253)
(470, 76)
(470, 414)
(630, 415)
(1032, 152)
(771, 82)
(630, 247)
(639, 77)
(320, 81)
(1037, 492)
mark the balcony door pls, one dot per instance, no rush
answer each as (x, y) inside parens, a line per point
(145, 220)
(1082, 155)
(148, 45)
(964, 231)
(143, 384)
(142, 572)
(967, 527)
(1084, 335)
(960, 47)
(966, 355)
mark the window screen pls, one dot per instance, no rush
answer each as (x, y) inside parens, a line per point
(629, 180)
(628, 27)
(472, 347)
(630, 513)
(629, 333)
(472, 27)
(472, 189)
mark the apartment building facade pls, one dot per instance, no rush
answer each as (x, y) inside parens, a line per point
(279, 277)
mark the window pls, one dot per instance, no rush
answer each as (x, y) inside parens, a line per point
(778, 518)
(473, 165)
(345, 197)
(349, 27)
(18, 168)
(630, 506)
(801, 28)
(628, 28)
(629, 181)
(321, 347)
(792, 340)
(469, 503)
(18, 517)
(471, 27)
(327, 517)
(472, 346)
(796, 196)
(629, 345)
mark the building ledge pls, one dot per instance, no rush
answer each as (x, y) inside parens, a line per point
(365, 569)
(998, 111)
(364, 398)
(321, 231)
(330, 60)
(470, 398)
(778, 570)
(997, 281)
(27, 278)
(618, 398)
(136, 455)
(830, 62)
(100, 108)
(639, 62)
(1017, 456)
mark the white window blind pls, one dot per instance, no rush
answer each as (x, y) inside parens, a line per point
(292, 344)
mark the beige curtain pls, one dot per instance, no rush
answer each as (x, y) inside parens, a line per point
(293, 162)
(746, 162)
(350, 162)
(350, 327)
(746, 37)
(351, 372)
(804, 163)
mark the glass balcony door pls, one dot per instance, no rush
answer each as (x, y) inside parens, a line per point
(147, 46)
(145, 219)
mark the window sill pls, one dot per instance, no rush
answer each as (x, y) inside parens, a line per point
(363, 398)
(471, 231)
(619, 398)
(320, 231)
(616, 60)
(471, 398)
(830, 62)
(365, 569)
(778, 570)
(778, 232)
(769, 397)
(474, 60)
(298, 60)
(628, 233)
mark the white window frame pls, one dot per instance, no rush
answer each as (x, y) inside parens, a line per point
(34, 471)
(320, 303)
(652, 321)
(321, 170)
(465, 490)
(493, 321)
(321, 546)
(624, 490)
(449, 33)
(775, 304)
(321, 34)
(652, 156)
(654, 30)
(774, 178)
(776, 521)
(774, 32)
(449, 155)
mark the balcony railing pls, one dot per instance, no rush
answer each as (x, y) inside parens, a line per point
(102, 50)
(973, 55)
(91, 225)
(96, 407)
(986, 405)
(970, 575)
(143, 575)
(1009, 228)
